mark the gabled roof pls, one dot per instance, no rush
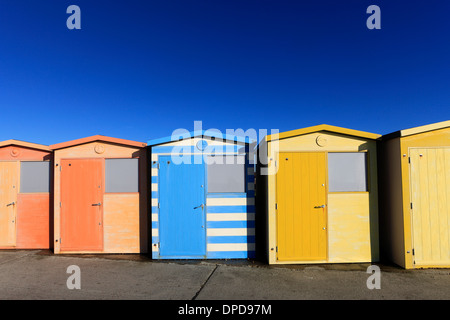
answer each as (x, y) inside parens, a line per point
(417, 130)
(97, 138)
(19, 143)
(199, 133)
(322, 127)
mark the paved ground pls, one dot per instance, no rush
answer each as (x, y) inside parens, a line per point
(41, 275)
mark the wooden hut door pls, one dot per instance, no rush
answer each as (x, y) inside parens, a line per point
(182, 208)
(81, 205)
(9, 179)
(301, 206)
(430, 199)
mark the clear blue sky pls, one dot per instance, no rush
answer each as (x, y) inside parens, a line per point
(140, 69)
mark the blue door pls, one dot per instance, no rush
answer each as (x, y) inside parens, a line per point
(182, 209)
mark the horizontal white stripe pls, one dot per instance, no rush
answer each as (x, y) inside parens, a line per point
(230, 216)
(154, 172)
(231, 247)
(251, 186)
(230, 202)
(154, 187)
(250, 171)
(154, 217)
(154, 202)
(154, 157)
(155, 233)
(230, 232)
(154, 248)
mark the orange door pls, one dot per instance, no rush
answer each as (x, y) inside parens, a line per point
(81, 205)
(8, 202)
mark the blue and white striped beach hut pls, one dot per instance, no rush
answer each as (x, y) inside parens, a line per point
(202, 187)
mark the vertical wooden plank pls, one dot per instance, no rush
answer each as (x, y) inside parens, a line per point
(447, 200)
(288, 203)
(306, 211)
(424, 206)
(442, 205)
(8, 194)
(322, 217)
(415, 200)
(429, 157)
(315, 213)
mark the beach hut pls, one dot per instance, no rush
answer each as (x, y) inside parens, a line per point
(202, 187)
(317, 197)
(100, 196)
(415, 196)
(25, 199)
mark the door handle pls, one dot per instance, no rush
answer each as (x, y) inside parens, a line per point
(318, 207)
(96, 204)
(10, 204)
(202, 206)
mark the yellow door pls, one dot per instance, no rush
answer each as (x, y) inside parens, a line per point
(430, 203)
(301, 206)
(8, 199)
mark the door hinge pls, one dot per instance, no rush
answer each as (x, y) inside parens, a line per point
(413, 252)
(276, 249)
(157, 166)
(276, 206)
(411, 205)
(409, 159)
(158, 205)
(60, 204)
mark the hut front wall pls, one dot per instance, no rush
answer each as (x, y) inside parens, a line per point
(230, 219)
(352, 217)
(124, 214)
(32, 209)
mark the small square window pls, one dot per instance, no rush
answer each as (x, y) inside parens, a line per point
(347, 171)
(34, 176)
(121, 175)
(226, 174)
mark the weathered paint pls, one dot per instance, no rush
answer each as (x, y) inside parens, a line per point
(398, 198)
(124, 215)
(121, 221)
(29, 222)
(349, 227)
(33, 225)
(342, 245)
(230, 218)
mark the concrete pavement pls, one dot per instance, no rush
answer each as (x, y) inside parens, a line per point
(42, 275)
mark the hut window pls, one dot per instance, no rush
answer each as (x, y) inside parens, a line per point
(34, 176)
(347, 171)
(121, 175)
(226, 174)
